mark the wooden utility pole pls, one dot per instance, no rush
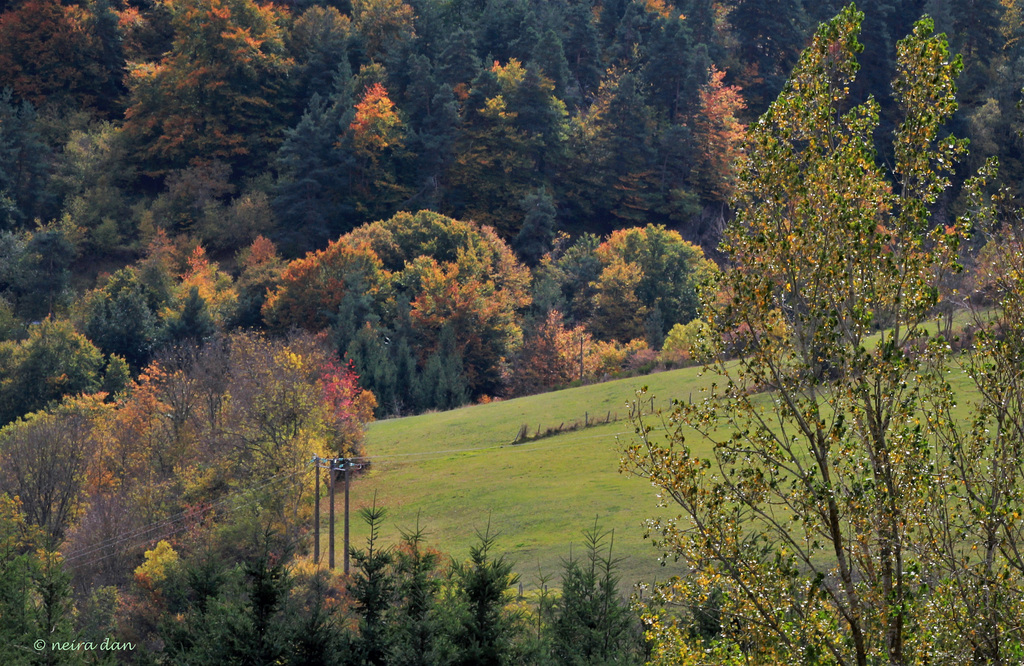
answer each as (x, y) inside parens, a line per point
(581, 356)
(316, 511)
(330, 543)
(348, 467)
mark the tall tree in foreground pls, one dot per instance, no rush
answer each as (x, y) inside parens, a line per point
(807, 518)
(979, 487)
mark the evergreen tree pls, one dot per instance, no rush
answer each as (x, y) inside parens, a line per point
(617, 170)
(416, 632)
(442, 384)
(371, 356)
(316, 170)
(192, 323)
(539, 225)
(110, 60)
(24, 164)
(45, 270)
(372, 588)
(268, 586)
(548, 57)
(319, 43)
(117, 377)
(582, 50)
(770, 35)
(488, 628)
(316, 634)
(593, 624)
(119, 321)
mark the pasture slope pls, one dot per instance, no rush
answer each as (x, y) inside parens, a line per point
(454, 471)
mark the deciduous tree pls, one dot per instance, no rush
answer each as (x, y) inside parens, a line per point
(809, 512)
(215, 95)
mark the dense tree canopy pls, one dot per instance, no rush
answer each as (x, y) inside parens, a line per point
(232, 231)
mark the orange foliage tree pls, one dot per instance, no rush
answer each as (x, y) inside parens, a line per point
(551, 356)
(48, 53)
(312, 288)
(378, 142)
(214, 96)
(459, 276)
(719, 136)
(202, 425)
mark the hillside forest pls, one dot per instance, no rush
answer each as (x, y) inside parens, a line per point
(233, 232)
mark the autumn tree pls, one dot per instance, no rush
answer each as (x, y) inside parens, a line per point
(806, 520)
(312, 288)
(617, 312)
(35, 597)
(236, 419)
(456, 276)
(318, 41)
(669, 272)
(261, 271)
(978, 488)
(54, 361)
(515, 131)
(51, 54)
(215, 95)
(382, 24)
(378, 145)
(549, 357)
(719, 136)
(45, 456)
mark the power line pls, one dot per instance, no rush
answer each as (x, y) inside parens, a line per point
(141, 535)
(121, 538)
(184, 527)
(167, 521)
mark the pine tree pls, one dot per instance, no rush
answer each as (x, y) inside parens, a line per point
(118, 319)
(372, 588)
(488, 629)
(538, 229)
(415, 630)
(593, 624)
(548, 57)
(582, 49)
(316, 172)
(192, 323)
(442, 384)
(24, 164)
(770, 34)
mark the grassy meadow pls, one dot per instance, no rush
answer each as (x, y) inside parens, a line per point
(454, 471)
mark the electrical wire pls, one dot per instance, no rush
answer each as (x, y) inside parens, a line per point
(184, 527)
(120, 538)
(141, 534)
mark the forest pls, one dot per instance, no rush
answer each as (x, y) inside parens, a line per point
(232, 233)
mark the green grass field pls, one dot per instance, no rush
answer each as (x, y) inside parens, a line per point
(455, 471)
